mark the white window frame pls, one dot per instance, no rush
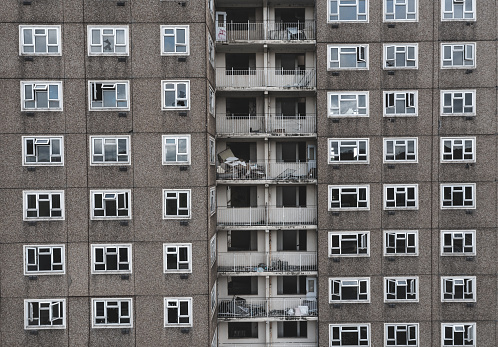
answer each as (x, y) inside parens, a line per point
(459, 328)
(44, 251)
(175, 29)
(213, 250)
(362, 239)
(468, 285)
(110, 85)
(409, 98)
(459, 236)
(41, 86)
(212, 151)
(361, 17)
(211, 49)
(113, 32)
(212, 200)
(214, 341)
(448, 14)
(404, 190)
(55, 307)
(458, 143)
(109, 303)
(345, 282)
(213, 299)
(410, 329)
(185, 99)
(468, 51)
(178, 301)
(361, 52)
(175, 144)
(174, 249)
(411, 285)
(455, 95)
(354, 144)
(366, 201)
(108, 195)
(401, 48)
(42, 141)
(46, 28)
(107, 141)
(355, 328)
(399, 236)
(50, 194)
(454, 189)
(399, 142)
(188, 208)
(107, 250)
(412, 12)
(212, 101)
(345, 99)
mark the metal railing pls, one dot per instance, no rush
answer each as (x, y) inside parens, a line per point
(291, 171)
(269, 30)
(246, 216)
(263, 262)
(300, 124)
(266, 170)
(291, 215)
(242, 171)
(296, 308)
(293, 261)
(271, 215)
(233, 123)
(265, 77)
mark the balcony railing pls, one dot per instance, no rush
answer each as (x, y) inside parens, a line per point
(265, 77)
(263, 262)
(267, 308)
(269, 30)
(269, 170)
(235, 124)
(266, 216)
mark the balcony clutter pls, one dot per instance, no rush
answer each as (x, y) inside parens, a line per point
(279, 308)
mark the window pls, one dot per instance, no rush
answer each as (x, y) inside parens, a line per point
(177, 257)
(348, 10)
(350, 104)
(175, 40)
(211, 7)
(458, 196)
(458, 334)
(211, 51)
(109, 95)
(458, 103)
(112, 313)
(458, 288)
(43, 205)
(177, 312)
(211, 101)
(212, 200)
(349, 243)
(110, 204)
(248, 285)
(349, 335)
(212, 151)
(401, 243)
(41, 96)
(458, 242)
(109, 259)
(176, 149)
(176, 203)
(401, 334)
(400, 150)
(400, 197)
(292, 329)
(176, 95)
(107, 40)
(44, 314)
(43, 150)
(347, 57)
(458, 55)
(242, 330)
(458, 149)
(400, 10)
(349, 290)
(212, 250)
(400, 103)
(352, 151)
(109, 150)
(400, 289)
(458, 10)
(214, 341)
(44, 259)
(349, 198)
(400, 56)
(40, 40)
(213, 299)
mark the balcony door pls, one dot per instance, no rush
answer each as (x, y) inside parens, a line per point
(221, 26)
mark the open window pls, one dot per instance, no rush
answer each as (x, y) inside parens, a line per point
(109, 95)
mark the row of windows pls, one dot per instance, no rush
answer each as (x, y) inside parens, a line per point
(398, 10)
(404, 334)
(400, 150)
(106, 313)
(399, 56)
(399, 243)
(400, 196)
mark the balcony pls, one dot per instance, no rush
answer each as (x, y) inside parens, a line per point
(254, 124)
(279, 308)
(264, 263)
(266, 216)
(267, 170)
(269, 30)
(262, 78)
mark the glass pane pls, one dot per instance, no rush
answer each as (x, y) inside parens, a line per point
(120, 37)
(169, 99)
(121, 89)
(52, 36)
(96, 37)
(41, 99)
(40, 44)
(180, 36)
(28, 36)
(169, 44)
(108, 42)
(109, 98)
(53, 92)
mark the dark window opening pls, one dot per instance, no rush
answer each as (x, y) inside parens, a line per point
(242, 240)
(243, 285)
(242, 330)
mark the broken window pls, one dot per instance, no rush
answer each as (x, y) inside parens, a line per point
(108, 40)
(41, 150)
(176, 95)
(109, 95)
(41, 96)
(111, 204)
